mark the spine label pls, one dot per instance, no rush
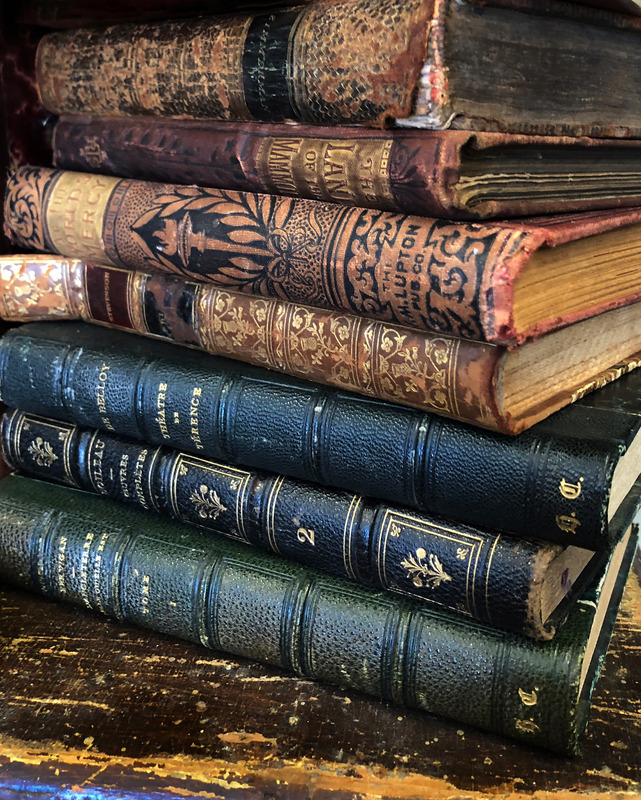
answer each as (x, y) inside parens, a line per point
(351, 171)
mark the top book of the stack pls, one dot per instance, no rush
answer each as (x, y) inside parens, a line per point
(524, 66)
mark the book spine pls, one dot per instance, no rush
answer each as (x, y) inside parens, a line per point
(268, 67)
(448, 376)
(428, 274)
(541, 486)
(124, 563)
(454, 567)
(389, 170)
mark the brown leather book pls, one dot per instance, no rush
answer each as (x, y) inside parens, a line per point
(454, 174)
(496, 282)
(499, 388)
(525, 66)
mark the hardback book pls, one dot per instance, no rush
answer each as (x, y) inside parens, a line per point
(452, 566)
(125, 562)
(428, 63)
(454, 174)
(498, 282)
(563, 481)
(495, 387)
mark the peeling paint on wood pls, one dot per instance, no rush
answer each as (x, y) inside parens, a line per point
(134, 713)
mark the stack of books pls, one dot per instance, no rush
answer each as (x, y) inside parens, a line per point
(431, 418)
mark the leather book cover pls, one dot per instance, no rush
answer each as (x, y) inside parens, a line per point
(412, 172)
(452, 566)
(558, 481)
(123, 562)
(425, 63)
(453, 278)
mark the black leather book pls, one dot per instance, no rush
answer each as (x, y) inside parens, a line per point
(512, 583)
(561, 481)
(159, 574)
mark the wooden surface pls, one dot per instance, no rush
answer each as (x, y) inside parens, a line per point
(93, 709)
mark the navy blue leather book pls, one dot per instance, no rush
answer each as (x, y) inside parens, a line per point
(561, 481)
(444, 563)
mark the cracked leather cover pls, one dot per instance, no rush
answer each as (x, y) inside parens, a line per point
(269, 66)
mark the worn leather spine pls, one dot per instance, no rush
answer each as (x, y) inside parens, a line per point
(394, 170)
(551, 483)
(421, 272)
(124, 562)
(455, 567)
(428, 63)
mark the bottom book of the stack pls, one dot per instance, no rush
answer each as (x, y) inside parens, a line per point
(149, 571)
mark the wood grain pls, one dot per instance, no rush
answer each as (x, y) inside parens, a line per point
(90, 708)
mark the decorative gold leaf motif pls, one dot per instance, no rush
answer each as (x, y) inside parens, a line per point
(305, 535)
(570, 490)
(529, 698)
(429, 575)
(183, 470)
(526, 726)
(395, 530)
(461, 553)
(207, 503)
(567, 523)
(93, 153)
(42, 452)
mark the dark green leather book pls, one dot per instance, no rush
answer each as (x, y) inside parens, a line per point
(448, 564)
(143, 569)
(560, 481)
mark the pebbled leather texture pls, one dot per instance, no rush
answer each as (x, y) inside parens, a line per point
(124, 562)
(244, 415)
(445, 564)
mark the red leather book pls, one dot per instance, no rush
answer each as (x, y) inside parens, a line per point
(454, 174)
(499, 282)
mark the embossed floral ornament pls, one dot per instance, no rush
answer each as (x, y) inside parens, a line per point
(430, 574)
(42, 452)
(254, 243)
(207, 502)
